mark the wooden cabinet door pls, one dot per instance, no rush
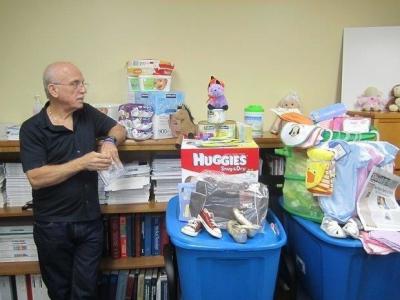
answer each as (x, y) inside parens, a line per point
(389, 130)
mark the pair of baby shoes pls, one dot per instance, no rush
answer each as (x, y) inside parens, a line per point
(241, 228)
(332, 228)
(205, 219)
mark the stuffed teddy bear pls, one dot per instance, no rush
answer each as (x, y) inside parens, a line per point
(182, 125)
(289, 103)
(371, 100)
(394, 102)
(216, 97)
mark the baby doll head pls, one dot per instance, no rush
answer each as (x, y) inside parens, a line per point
(290, 101)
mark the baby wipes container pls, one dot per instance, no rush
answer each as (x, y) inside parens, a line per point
(254, 116)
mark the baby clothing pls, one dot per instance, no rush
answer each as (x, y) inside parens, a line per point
(342, 203)
(376, 158)
(389, 152)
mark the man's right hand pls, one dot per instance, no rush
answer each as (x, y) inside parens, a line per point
(95, 161)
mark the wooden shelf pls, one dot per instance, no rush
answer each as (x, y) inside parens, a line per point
(19, 268)
(267, 141)
(11, 212)
(32, 267)
(134, 208)
(375, 114)
(9, 146)
(132, 263)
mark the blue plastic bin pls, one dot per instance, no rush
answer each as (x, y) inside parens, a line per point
(339, 269)
(211, 268)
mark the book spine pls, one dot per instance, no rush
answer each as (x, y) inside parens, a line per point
(122, 236)
(138, 233)
(155, 236)
(114, 232)
(147, 234)
(164, 239)
(129, 235)
(106, 236)
(133, 235)
(29, 291)
(129, 285)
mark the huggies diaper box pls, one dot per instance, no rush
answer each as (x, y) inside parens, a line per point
(240, 163)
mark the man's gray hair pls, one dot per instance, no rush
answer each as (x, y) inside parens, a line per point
(47, 79)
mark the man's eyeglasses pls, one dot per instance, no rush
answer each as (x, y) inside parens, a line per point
(75, 84)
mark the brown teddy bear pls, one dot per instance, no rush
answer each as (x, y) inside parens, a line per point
(394, 102)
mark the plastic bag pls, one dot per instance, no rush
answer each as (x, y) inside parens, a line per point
(297, 199)
(220, 197)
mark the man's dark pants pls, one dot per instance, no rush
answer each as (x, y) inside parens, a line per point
(69, 257)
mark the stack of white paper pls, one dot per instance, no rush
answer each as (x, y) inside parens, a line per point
(12, 132)
(17, 244)
(18, 188)
(165, 176)
(132, 187)
(101, 192)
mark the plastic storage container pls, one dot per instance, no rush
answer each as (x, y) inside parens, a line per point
(211, 268)
(254, 116)
(332, 269)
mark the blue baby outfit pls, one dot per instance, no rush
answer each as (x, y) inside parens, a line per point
(341, 204)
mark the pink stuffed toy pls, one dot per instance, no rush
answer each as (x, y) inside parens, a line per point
(216, 97)
(371, 100)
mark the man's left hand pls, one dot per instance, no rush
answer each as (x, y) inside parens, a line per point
(110, 149)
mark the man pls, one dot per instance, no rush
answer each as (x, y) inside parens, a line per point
(58, 154)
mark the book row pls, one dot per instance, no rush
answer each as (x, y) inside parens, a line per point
(136, 284)
(134, 235)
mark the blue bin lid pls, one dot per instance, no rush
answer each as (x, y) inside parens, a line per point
(267, 239)
(315, 230)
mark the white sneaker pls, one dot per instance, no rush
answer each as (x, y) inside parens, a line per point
(351, 228)
(192, 228)
(332, 228)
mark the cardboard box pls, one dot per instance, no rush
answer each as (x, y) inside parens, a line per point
(164, 104)
(240, 163)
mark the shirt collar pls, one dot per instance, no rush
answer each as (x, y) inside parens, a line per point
(43, 117)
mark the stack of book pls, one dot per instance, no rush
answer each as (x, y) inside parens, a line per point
(165, 176)
(17, 244)
(18, 188)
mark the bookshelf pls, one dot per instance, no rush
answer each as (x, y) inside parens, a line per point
(9, 151)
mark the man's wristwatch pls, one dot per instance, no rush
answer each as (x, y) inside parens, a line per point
(110, 139)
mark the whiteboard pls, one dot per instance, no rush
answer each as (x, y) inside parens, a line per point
(371, 57)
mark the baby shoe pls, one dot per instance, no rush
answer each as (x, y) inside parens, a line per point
(332, 228)
(251, 228)
(351, 228)
(238, 233)
(192, 228)
(207, 219)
